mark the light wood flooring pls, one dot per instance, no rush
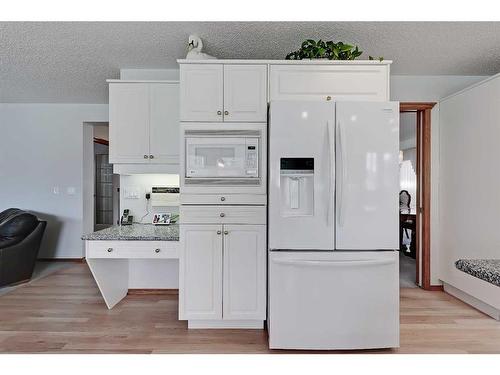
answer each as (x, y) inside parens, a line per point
(64, 313)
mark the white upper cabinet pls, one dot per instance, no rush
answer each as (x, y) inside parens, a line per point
(245, 93)
(144, 123)
(128, 123)
(244, 269)
(164, 123)
(368, 82)
(202, 92)
(223, 92)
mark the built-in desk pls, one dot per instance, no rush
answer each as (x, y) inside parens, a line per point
(109, 253)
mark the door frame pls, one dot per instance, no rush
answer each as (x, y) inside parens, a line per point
(423, 171)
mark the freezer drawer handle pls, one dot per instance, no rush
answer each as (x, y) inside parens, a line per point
(334, 263)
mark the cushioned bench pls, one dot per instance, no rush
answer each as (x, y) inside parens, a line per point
(484, 269)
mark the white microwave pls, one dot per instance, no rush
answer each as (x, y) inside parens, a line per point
(222, 157)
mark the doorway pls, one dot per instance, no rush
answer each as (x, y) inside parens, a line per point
(415, 193)
(101, 185)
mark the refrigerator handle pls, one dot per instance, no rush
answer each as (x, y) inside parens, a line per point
(330, 161)
(343, 173)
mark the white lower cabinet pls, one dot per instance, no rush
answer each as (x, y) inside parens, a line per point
(222, 273)
(200, 273)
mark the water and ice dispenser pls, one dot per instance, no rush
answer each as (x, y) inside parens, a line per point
(297, 186)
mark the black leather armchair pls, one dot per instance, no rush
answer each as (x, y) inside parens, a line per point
(20, 237)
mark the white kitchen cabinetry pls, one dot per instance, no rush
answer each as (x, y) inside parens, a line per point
(128, 123)
(223, 275)
(223, 92)
(368, 82)
(245, 93)
(144, 122)
(200, 289)
(244, 269)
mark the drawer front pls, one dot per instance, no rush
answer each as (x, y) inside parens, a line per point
(223, 214)
(133, 249)
(321, 82)
(224, 199)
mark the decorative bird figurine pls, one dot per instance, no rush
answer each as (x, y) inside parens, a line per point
(194, 47)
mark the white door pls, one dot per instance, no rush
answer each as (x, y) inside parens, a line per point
(201, 92)
(333, 300)
(200, 272)
(367, 172)
(244, 285)
(245, 93)
(129, 123)
(301, 170)
(164, 123)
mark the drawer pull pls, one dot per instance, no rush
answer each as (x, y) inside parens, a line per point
(226, 113)
(226, 232)
(219, 232)
(328, 98)
(219, 113)
(222, 199)
(110, 249)
(222, 214)
(157, 251)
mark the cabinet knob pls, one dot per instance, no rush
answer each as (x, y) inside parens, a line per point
(157, 251)
(222, 214)
(219, 113)
(219, 232)
(226, 112)
(151, 156)
(226, 232)
(222, 199)
(110, 249)
(328, 98)
(145, 156)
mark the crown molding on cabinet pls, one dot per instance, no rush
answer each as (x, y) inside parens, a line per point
(288, 62)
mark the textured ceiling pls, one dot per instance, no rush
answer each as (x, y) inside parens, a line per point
(69, 62)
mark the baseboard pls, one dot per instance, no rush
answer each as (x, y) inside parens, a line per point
(472, 301)
(172, 292)
(225, 324)
(73, 260)
(436, 288)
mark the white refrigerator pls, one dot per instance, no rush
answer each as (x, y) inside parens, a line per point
(333, 225)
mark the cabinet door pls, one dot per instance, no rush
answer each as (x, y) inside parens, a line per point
(329, 82)
(164, 123)
(200, 262)
(244, 293)
(245, 93)
(128, 123)
(201, 92)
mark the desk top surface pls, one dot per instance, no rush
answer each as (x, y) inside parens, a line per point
(135, 232)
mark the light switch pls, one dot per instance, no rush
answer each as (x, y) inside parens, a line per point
(71, 190)
(55, 190)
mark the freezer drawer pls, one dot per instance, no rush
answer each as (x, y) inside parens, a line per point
(333, 300)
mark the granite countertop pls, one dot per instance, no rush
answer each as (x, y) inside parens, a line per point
(136, 232)
(485, 269)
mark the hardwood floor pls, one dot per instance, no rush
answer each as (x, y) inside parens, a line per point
(64, 313)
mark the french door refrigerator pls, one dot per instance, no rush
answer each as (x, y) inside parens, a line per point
(333, 225)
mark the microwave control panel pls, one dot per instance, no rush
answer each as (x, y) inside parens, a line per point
(252, 160)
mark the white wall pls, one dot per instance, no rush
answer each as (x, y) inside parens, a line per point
(142, 183)
(41, 148)
(431, 89)
(470, 198)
